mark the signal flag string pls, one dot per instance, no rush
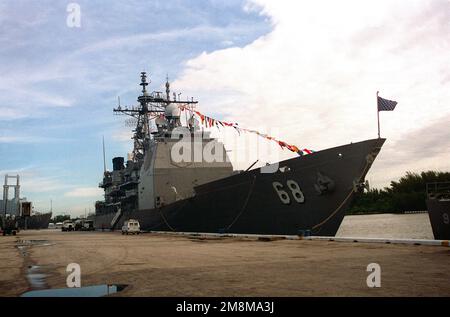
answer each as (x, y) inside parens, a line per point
(209, 122)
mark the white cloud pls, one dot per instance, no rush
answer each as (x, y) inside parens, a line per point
(21, 84)
(33, 183)
(43, 185)
(427, 148)
(124, 135)
(27, 139)
(7, 113)
(19, 97)
(142, 39)
(10, 139)
(315, 76)
(84, 192)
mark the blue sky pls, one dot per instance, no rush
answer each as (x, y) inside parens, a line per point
(59, 84)
(306, 71)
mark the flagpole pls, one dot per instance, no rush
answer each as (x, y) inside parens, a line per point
(378, 116)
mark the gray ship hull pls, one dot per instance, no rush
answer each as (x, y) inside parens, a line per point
(309, 192)
(439, 213)
(39, 221)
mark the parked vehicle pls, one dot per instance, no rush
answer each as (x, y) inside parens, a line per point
(51, 225)
(58, 225)
(68, 226)
(9, 226)
(84, 225)
(88, 225)
(131, 226)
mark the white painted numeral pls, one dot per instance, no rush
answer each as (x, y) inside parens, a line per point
(284, 197)
(295, 190)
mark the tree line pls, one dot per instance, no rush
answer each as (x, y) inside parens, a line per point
(60, 218)
(406, 194)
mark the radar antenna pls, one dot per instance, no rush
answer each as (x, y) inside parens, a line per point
(150, 107)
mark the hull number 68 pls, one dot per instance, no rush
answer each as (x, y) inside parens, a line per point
(293, 187)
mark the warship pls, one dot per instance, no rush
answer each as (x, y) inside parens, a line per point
(36, 220)
(307, 194)
(438, 205)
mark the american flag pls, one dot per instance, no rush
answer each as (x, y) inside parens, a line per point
(386, 105)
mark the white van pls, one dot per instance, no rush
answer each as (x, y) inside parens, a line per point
(131, 226)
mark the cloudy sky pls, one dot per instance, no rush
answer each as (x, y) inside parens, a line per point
(307, 71)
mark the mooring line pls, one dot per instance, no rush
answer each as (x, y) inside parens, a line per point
(342, 204)
(164, 218)
(245, 203)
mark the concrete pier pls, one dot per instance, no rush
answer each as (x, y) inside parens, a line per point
(157, 264)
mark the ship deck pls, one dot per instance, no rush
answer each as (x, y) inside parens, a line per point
(155, 264)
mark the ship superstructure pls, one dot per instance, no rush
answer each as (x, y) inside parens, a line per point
(151, 178)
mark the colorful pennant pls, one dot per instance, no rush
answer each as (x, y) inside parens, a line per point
(209, 122)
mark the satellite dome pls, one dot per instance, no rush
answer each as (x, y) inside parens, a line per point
(172, 111)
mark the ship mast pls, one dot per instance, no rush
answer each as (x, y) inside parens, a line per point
(150, 107)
